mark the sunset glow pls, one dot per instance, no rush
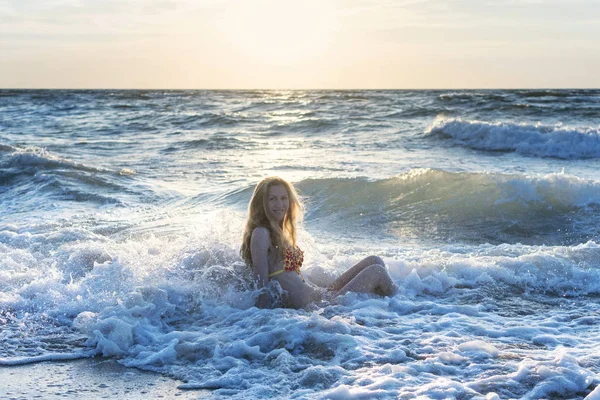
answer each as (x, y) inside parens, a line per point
(281, 33)
(283, 44)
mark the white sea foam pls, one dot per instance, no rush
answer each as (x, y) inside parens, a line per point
(595, 395)
(46, 357)
(559, 270)
(532, 140)
(362, 348)
(169, 308)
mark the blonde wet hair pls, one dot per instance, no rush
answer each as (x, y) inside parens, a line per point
(282, 235)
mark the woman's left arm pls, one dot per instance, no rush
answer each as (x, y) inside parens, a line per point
(260, 242)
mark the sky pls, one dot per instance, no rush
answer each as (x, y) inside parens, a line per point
(302, 44)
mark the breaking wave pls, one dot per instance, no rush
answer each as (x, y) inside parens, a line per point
(452, 206)
(529, 140)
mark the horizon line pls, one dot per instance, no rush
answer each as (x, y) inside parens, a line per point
(305, 89)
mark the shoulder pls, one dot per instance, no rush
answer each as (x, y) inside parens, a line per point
(261, 235)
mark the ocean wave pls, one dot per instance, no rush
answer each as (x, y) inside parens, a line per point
(416, 112)
(209, 120)
(529, 140)
(63, 271)
(188, 313)
(133, 94)
(472, 207)
(509, 95)
(41, 159)
(7, 149)
(9, 92)
(474, 95)
(550, 93)
(34, 159)
(550, 270)
(183, 306)
(54, 187)
(120, 106)
(307, 126)
(356, 96)
(216, 142)
(34, 175)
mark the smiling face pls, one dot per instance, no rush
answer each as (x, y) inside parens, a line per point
(278, 202)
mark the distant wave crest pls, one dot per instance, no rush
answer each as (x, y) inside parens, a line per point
(40, 158)
(6, 149)
(530, 140)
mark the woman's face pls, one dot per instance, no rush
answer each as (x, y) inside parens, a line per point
(278, 202)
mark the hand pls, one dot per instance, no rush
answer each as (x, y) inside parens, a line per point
(263, 301)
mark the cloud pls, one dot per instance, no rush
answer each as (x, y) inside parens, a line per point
(73, 11)
(88, 17)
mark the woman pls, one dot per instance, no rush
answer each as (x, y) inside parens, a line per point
(269, 247)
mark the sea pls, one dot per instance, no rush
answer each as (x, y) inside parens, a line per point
(121, 216)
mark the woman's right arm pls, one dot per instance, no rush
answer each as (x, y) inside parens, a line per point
(260, 241)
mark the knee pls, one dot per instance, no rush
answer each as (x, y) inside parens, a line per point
(374, 260)
(381, 277)
(377, 270)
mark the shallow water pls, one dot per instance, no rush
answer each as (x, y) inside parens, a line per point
(121, 215)
(88, 378)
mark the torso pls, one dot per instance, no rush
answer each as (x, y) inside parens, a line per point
(298, 292)
(275, 260)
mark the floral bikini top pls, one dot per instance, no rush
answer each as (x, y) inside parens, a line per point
(292, 261)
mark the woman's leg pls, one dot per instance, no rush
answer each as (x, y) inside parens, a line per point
(372, 279)
(347, 276)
